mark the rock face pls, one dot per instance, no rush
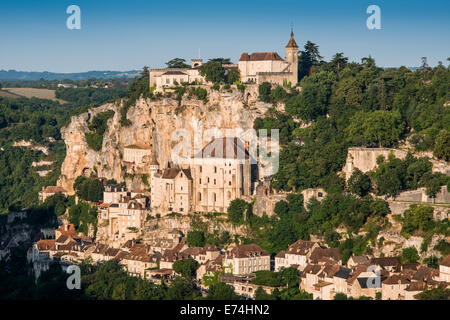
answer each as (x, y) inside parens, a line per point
(153, 122)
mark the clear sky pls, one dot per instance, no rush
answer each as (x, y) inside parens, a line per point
(128, 34)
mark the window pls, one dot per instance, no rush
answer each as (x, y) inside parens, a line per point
(215, 169)
(200, 168)
(215, 197)
(229, 183)
(200, 181)
(214, 181)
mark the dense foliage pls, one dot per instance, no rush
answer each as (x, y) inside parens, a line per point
(89, 189)
(343, 104)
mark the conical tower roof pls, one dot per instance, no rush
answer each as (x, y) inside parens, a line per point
(292, 43)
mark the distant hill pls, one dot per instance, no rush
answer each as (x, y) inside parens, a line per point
(24, 75)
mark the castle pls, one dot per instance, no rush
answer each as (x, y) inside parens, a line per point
(257, 67)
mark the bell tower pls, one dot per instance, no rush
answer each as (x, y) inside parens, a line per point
(292, 58)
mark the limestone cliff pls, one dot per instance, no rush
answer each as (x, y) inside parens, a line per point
(153, 122)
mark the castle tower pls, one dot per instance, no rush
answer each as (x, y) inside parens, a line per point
(292, 58)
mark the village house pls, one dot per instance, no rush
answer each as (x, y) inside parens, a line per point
(413, 290)
(245, 259)
(51, 191)
(158, 275)
(444, 269)
(171, 255)
(297, 255)
(321, 255)
(139, 260)
(243, 285)
(171, 190)
(202, 254)
(123, 213)
(393, 288)
(391, 264)
(354, 261)
(210, 268)
(113, 194)
(365, 281)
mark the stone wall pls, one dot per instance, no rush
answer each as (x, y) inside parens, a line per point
(419, 195)
(365, 159)
(399, 207)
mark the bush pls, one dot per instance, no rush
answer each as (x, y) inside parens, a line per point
(410, 255)
(186, 267)
(264, 90)
(196, 238)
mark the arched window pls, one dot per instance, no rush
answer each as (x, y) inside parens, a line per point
(215, 197)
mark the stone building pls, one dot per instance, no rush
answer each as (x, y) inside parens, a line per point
(171, 190)
(136, 152)
(262, 67)
(297, 254)
(221, 172)
(170, 77)
(444, 270)
(257, 67)
(246, 259)
(51, 191)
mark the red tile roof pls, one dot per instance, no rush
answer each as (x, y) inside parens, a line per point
(261, 56)
(445, 262)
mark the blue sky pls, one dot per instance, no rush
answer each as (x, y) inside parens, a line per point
(124, 35)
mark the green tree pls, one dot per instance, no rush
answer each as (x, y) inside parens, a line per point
(442, 146)
(186, 267)
(212, 71)
(233, 76)
(196, 238)
(236, 211)
(261, 294)
(359, 183)
(338, 62)
(416, 218)
(438, 293)
(308, 58)
(264, 90)
(410, 255)
(222, 291)
(377, 128)
(221, 60)
(177, 63)
(181, 289)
